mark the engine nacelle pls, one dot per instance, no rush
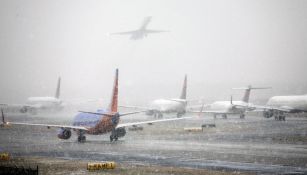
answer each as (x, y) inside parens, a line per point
(268, 114)
(64, 133)
(120, 132)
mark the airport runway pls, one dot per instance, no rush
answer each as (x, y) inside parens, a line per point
(254, 144)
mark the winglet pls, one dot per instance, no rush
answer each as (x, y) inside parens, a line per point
(4, 123)
(58, 88)
(2, 114)
(184, 89)
(201, 110)
(114, 99)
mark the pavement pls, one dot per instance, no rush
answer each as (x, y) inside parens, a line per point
(252, 145)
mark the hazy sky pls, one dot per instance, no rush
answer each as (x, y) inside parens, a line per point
(218, 43)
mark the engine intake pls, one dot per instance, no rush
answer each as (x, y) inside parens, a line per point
(120, 132)
(64, 133)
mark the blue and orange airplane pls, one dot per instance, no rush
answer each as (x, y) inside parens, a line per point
(96, 123)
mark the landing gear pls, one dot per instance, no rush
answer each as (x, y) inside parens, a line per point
(224, 116)
(81, 136)
(179, 114)
(280, 116)
(158, 115)
(113, 137)
(242, 116)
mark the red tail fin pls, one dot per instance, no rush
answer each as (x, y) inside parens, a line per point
(114, 98)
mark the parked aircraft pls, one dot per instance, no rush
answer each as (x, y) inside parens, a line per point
(96, 123)
(35, 104)
(279, 106)
(141, 32)
(225, 108)
(160, 106)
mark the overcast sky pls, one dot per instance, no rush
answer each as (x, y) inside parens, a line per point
(218, 43)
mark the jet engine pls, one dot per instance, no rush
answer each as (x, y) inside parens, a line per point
(120, 132)
(64, 133)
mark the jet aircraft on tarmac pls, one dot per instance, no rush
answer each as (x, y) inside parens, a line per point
(96, 123)
(279, 106)
(35, 104)
(159, 107)
(232, 107)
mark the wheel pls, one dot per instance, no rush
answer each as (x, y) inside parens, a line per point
(81, 139)
(111, 138)
(242, 116)
(224, 116)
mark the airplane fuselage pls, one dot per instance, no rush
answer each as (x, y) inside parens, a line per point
(96, 124)
(44, 104)
(227, 107)
(169, 106)
(298, 102)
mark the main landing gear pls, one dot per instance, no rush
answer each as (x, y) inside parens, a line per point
(158, 115)
(224, 116)
(242, 116)
(81, 137)
(280, 116)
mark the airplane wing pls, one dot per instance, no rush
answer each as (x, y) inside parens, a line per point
(47, 125)
(124, 33)
(282, 109)
(111, 115)
(210, 112)
(150, 122)
(155, 31)
(135, 107)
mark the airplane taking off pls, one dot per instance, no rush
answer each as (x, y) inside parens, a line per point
(160, 106)
(279, 106)
(35, 104)
(141, 32)
(232, 107)
(96, 123)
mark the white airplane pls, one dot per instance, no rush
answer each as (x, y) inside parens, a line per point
(96, 123)
(35, 104)
(279, 106)
(231, 107)
(141, 32)
(160, 106)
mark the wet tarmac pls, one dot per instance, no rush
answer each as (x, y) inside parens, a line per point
(253, 144)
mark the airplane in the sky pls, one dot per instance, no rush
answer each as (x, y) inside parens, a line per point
(160, 106)
(279, 106)
(141, 32)
(96, 123)
(35, 104)
(225, 108)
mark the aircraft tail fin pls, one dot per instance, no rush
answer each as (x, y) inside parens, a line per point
(184, 89)
(58, 89)
(114, 99)
(248, 91)
(145, 22)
